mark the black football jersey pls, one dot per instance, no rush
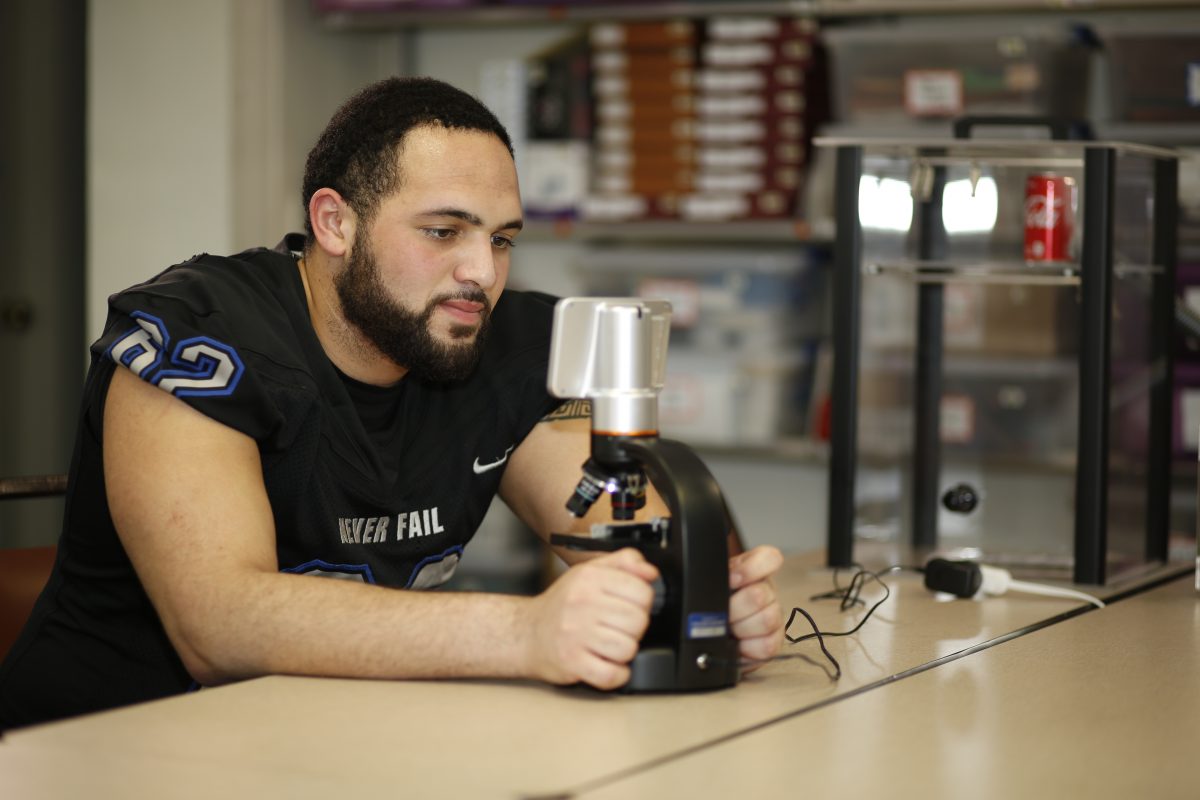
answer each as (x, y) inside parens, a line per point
(231, 336)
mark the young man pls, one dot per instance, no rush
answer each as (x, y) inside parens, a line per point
(345, 405)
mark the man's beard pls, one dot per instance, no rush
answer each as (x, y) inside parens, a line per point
(403, 335)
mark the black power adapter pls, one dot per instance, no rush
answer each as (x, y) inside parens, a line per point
(959, 578)
(969, 579)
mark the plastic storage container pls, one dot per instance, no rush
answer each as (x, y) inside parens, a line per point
(1153, 76)
(886, 74)
(745, 330)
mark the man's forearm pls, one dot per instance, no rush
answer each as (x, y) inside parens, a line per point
(585, 627)
(280, 623)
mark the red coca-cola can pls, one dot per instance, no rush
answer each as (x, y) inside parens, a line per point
(1049, 217)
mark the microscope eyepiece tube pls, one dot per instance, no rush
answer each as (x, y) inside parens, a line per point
(626, 398)
(625, 413)
(612, 351)
(625, 357)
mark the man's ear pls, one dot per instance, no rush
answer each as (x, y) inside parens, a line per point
(333, 222)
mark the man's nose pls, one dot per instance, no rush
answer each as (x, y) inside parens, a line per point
(478, 265)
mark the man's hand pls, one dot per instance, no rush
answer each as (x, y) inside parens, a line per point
(588, 624)
(754, 611)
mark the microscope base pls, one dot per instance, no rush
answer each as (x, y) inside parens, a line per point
(656, 669)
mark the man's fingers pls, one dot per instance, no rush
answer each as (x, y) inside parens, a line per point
(767, 620)
(759, 650)
(594, 617)
(748, 601)
(629, 618)
(753, 565)
(614, 644)
(604, 605)
(626, 576)
(754, 612)
(632, 561)
(602, 673)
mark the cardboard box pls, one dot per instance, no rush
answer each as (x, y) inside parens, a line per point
(891, 73)
(643, 35)
(1009, 320)
(1154, 76)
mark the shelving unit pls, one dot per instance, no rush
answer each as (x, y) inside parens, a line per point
(1094, 274)
(747, 231)
(534, 14)
(380, 15)
(1168, 134)
(1046, 273)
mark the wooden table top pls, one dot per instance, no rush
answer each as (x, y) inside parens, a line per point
(303, 737)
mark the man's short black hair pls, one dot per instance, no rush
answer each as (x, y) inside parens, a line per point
(356, 154)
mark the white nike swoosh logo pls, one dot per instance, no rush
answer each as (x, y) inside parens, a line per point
(482, 468)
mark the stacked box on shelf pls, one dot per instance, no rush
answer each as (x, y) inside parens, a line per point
(1153, 75)
(1189, 204)
(553, 159)
(1186, 423)
(642, 142)
(759, 95)
(558, 6)
(703, 120)
(1187, 284)
(381, 6)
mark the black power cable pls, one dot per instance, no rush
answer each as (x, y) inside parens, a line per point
(848, 597)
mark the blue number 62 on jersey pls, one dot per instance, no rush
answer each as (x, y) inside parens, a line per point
(196, 367)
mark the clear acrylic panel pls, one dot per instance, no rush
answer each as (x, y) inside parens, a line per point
(1133, 371)
(1010, 379)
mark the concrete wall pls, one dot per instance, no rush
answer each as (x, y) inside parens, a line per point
(199, 118)
(160, 151)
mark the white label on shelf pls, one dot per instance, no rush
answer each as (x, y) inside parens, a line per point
(610, 86)
(609, 35)
(729, 182)
(733, 105)
(958, 418)
(738, 55)
(743, 27)
(598, 208)
(963, 316)
(1193, 83)
(615, 110)
(1189, 411)
(713, 207)
(609, 61)
(1191, 298)
(683, 295)
(554, 175)
(730, 80)
(739, 130)
(731, 157)
(933, 92)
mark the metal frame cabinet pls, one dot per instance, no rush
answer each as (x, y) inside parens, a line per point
(1093, 274)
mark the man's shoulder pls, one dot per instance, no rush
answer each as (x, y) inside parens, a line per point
(253, 299)
(207, 282)
(251, 302)
(228, 334)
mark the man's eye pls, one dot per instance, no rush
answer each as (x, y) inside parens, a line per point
(503, 242)
(439, 233)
